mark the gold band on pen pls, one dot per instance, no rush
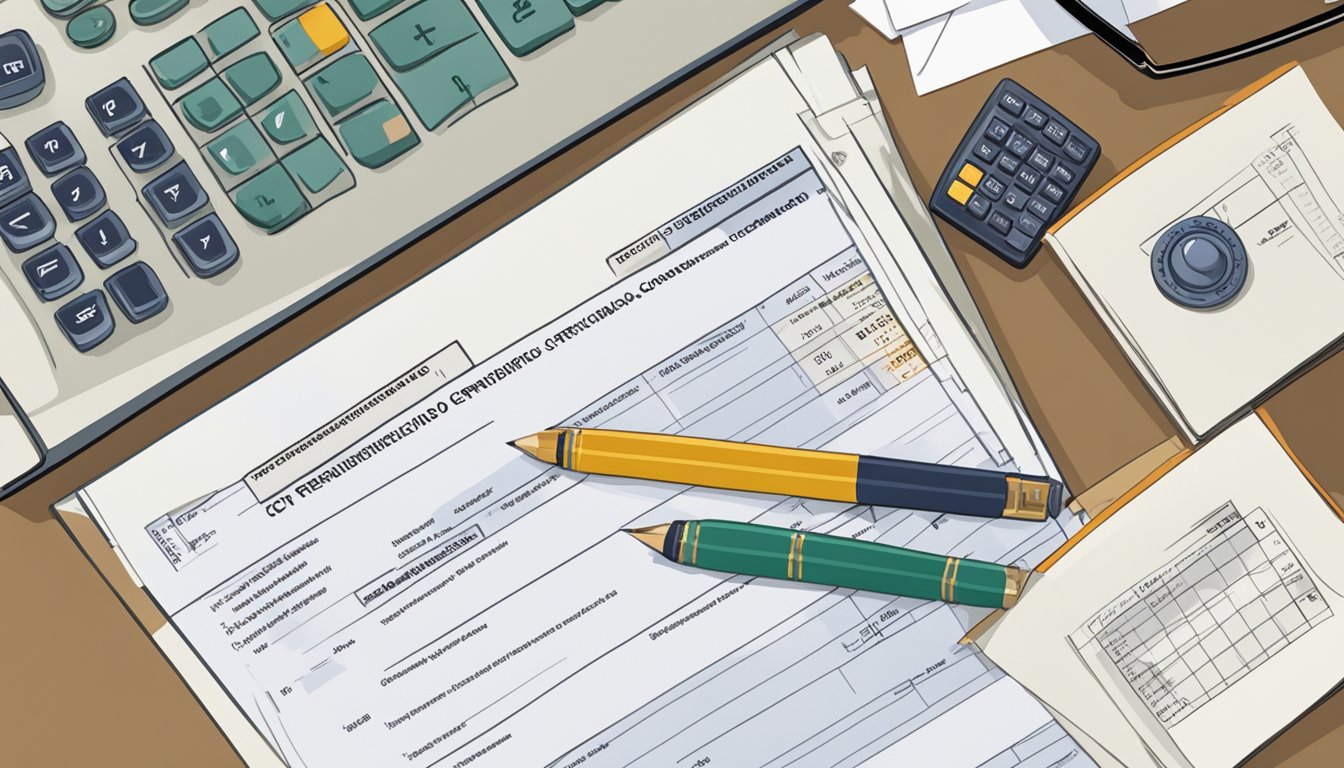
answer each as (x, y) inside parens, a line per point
(942, 590)
(1015, 579)
(800, 537)
(695, 543)
(681, 550)
(1026, 500)
(952, 582)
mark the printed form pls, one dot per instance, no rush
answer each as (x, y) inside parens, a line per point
(401, 587)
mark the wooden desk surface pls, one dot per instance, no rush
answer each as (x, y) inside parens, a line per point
(85, 686)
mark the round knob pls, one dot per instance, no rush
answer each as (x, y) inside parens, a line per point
(1199, 262)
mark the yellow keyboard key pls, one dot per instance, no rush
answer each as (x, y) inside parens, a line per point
(959, 192)
(970, 174)
(324, 29)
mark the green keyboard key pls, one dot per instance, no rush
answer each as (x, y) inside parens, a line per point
(580, 7)
(424, 30)
(211, 105)
(343, 84)
(377, 134)
(367, 9)
(449, 81)
(240, 149)
(92, 28)
(63, 8)
(270, 200)
(316, 165)
(294, 42)
(526, 25)
(229, 32)
(253, 77)
(179, 64)
(276, 10)
(287, 120)
(147, 12)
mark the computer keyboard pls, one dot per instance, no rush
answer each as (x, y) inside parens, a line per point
(177, 177)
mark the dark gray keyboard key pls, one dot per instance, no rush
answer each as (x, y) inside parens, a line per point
(116, 107)
(997, 131)
(145, 148)
(1009, 164)
(1029, 224)
(978, 206)
(13, 179)
(1027, 178)
(175, 195)
(21, 76)
(1034, 117)
(53, 272)
(26, 223)
(85, 321)
(1041, 160)
(106, 239)
(1000, 222)
(55, 149)
(1016, 199)
(1061, 173)
(207, 246)
(1020, 145)
(1055, 132)
(1011, 102)
(1052, 192)
(1042, 209)
(79, 194)
(138, 292)
(992, 187)
(986, 151)
(1020, 240)
(1076, 150)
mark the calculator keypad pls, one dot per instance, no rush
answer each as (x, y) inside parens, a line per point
(1014, 173)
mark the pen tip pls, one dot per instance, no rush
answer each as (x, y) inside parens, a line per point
(652, 537)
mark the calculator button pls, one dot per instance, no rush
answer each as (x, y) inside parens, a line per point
(1034, 117)
(580, 7)
(1055, 132)
(138, 292)
(1041, 160)
(1061, 173)
(207, 246)
(276, 10)
(238, 151)
(150, 12)
(978, 206)
(229, 32)
(1076, 150)
(311, 37)
(53, 272)
(178, 64)
(1029, 224)
(1020, 240)
(1020, 145)
(959, 192)
(175, 195)
(105, 239)
(997, 130)
(986, 151)
(210, 105)
(970, 174)
(26, 223)
(252, 77)
(270, 200)
(1000, 223)
(22, 78)
(145, 148)
(1009, 164)
(1011, 103)
(116, 107)
(85, 320)
(992, 187)
(525, 32)
(92, 28)
(344, 84)
(1040, 208)
(1027, 178)
(79, 194)
(287, 120)
(377, 134)
(13, 179)
(367, 9)
(1052, 192)
(315, 165)
(54, 149)
(64, 8)
(1015, 199)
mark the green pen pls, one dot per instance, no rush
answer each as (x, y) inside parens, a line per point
(835, 561)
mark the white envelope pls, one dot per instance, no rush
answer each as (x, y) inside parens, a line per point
(890, 17)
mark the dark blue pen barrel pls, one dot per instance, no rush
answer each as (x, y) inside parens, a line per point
(955, 490)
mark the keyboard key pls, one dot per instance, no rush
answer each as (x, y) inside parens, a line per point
(1034, 117)
(311, 37)
(1061, 173)
(1077, 150)
(1011, 103)
(105, 239)
(287, 120)
(1020, 240)
(986, 151)
(1008, 164)
(22, 77)
(210, 106)
(14, 181)
(580, 7)
(178, 64)
(1041, 160)
(229, 32)
(529, 24)
(377, 134)
(1000, 222)
(175, 195)
(85, 320)
(148, 12)
(116, 107)
(1029, 224)
(207, 246)
(970, 174)
(992, 187)
(270, 200)
(1055, 132)
(26, 223)
(978, 206)
(1027, 178)
(1020, 145)
(53, 272)
(239, 151)
(1015, 199)
(138, 292)
(54, 149)
(316, 165)
(1040, 208)
(997, 131)
(367, 9)
(252, 77)
(1052, 192)
(79, 194)
(62, 9)
(92, 28)
(959, 192)
(345, 83)
(276, 10)
(145, 148)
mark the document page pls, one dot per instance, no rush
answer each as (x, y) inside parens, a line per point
(396, 585)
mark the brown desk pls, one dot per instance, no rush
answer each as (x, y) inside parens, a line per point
(84, 686)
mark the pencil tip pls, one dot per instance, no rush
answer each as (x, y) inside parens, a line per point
(513, 443)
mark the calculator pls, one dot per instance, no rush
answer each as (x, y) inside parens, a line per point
(1015, 171)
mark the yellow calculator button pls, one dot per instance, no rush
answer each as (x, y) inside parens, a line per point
(970, 174)
(959, 192)
(324, 29)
